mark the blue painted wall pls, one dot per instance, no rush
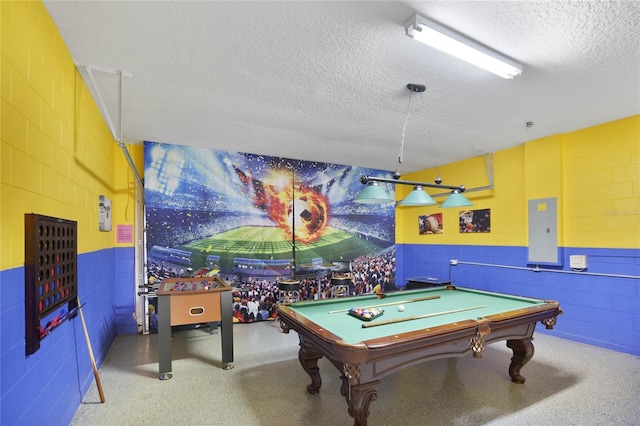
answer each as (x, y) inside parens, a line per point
(598, 310)
(47, 387)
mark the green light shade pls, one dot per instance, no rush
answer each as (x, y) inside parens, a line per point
(373, 194)
(418, 197)
(455, 199)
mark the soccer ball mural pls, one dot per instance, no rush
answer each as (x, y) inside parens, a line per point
(249, 215)
(307, 216)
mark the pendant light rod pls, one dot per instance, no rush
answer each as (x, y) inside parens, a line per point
(366, 179)
(414, 88)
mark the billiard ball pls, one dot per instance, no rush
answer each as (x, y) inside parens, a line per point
(401, 308)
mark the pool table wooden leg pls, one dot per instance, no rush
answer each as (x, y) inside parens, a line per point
(309, 357)
(358, 399)
(522, 352)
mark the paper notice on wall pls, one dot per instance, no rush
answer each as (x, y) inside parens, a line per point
(125, 233)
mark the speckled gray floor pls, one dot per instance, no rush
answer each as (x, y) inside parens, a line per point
(567, 383)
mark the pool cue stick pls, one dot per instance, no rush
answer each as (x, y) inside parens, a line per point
(93, 361)
(420, 299)
(415, 317)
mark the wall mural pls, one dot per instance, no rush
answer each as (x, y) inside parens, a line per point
(253, 217)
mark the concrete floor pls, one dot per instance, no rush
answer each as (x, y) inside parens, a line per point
(568, 383)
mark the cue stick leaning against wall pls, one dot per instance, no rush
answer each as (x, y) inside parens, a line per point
(93, 361)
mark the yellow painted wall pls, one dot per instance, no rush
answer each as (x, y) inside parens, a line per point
(504, 200)
(602, 185)
(543, 176)
(594, 173)
(57, 155)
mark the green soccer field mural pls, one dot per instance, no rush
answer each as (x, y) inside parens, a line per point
(252, 217)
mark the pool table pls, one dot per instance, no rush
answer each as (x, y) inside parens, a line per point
(414, 327)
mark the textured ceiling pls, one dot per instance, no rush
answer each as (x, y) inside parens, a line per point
(326, 81)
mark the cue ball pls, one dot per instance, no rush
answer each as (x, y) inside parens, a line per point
(401, 308)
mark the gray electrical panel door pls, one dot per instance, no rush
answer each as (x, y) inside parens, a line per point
(543, 231)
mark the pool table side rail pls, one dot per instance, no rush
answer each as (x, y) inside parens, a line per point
(322, 338)
(492, 293)
(532, 313)
(390, 359)
(334, 346)
(291, 317)
(548, 309)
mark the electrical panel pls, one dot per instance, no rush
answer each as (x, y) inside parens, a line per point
(543, 231)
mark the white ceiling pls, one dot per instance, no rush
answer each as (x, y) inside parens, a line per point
(326, 81)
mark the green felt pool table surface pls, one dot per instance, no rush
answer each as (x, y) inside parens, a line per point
(332, 314)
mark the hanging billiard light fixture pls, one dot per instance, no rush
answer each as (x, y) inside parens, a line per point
(374, 194)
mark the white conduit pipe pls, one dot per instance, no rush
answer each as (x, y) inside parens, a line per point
(117, 133)
(455, 262)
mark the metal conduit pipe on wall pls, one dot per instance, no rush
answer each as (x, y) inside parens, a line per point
(117, 134)
(455, 262)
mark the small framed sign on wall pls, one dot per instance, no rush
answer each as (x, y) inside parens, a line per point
(430, 224)
(475, 221)
(104, 215)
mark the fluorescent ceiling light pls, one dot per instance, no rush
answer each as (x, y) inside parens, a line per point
(448, 41)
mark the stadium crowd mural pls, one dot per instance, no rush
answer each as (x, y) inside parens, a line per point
(256, 220)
